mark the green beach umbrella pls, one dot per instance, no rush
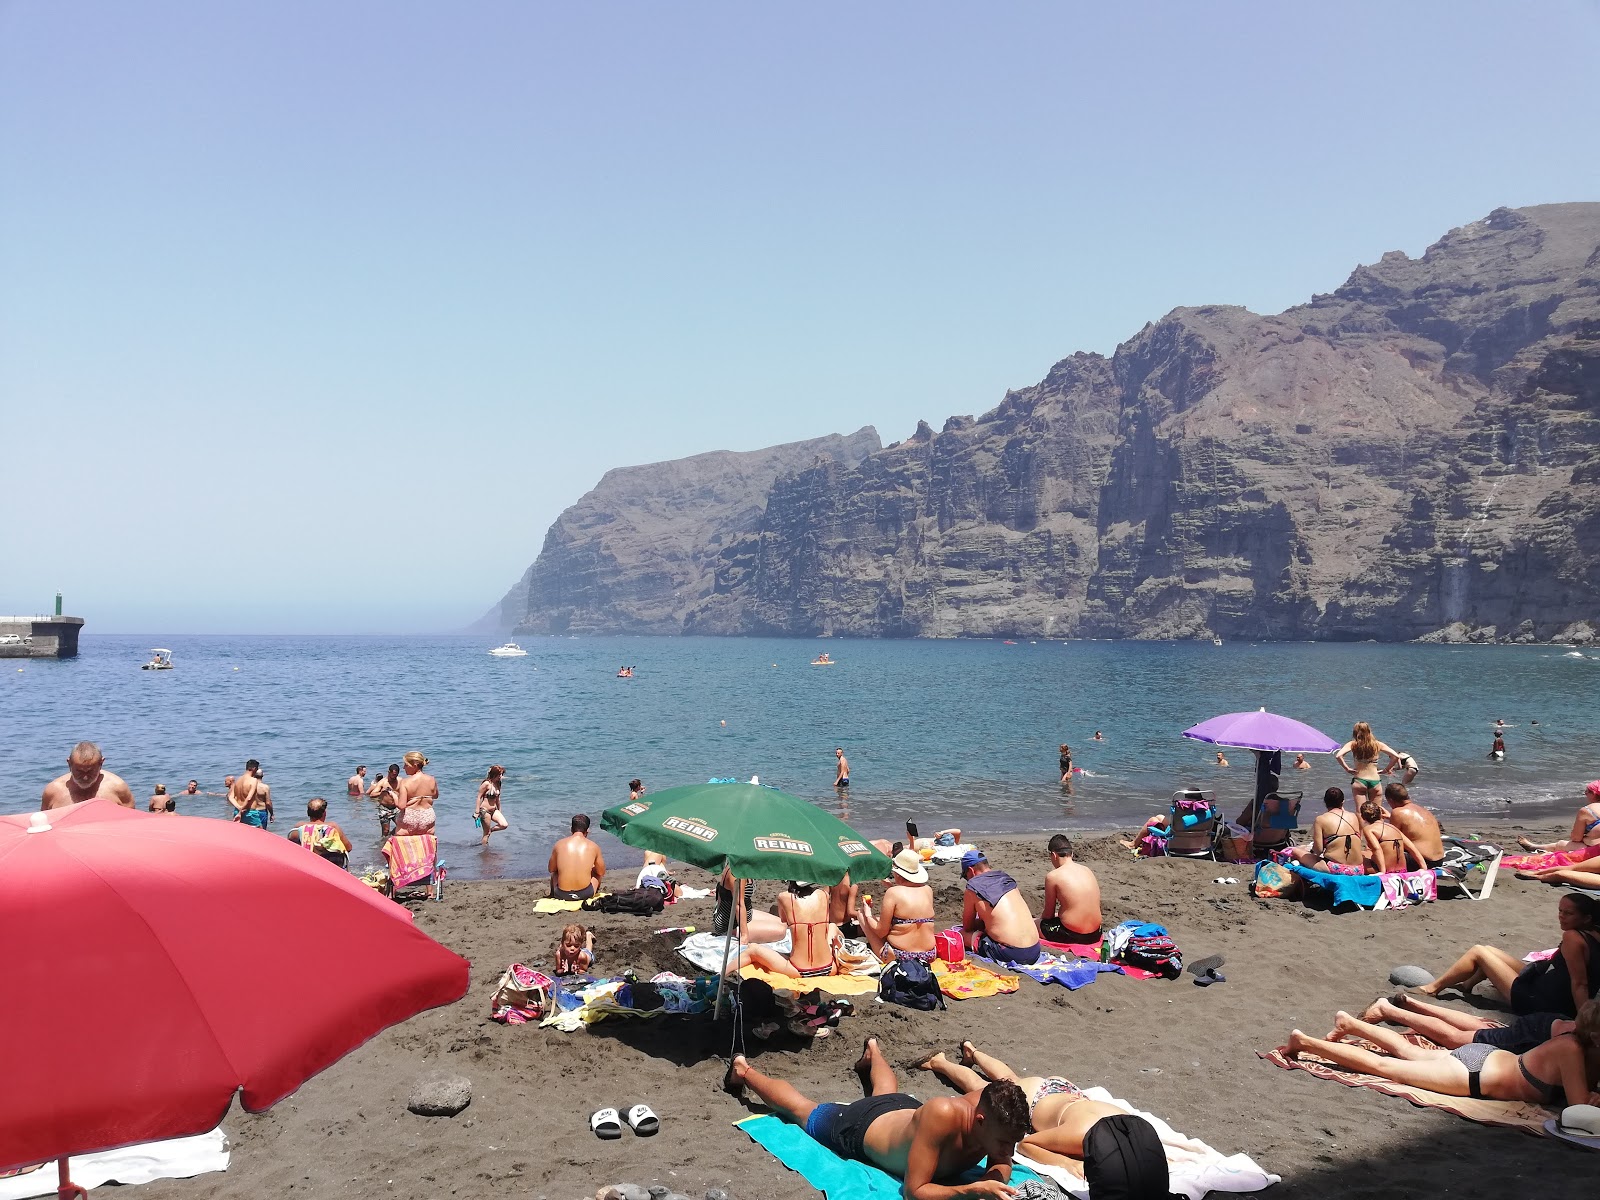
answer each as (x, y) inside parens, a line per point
(760, 832)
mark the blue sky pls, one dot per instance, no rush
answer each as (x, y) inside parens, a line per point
(314, 316)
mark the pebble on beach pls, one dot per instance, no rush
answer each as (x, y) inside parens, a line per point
(440, 1094)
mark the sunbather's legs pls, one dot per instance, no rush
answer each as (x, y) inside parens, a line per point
(987, 1063)
(1442, 1026)
(775, 1093)
(1480, 962)
(768, 960)
(1437, 1073)
(877, 1076)
(1391, 1043)
(964, 1078)
(1585, 874)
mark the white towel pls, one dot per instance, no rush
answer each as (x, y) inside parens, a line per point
(1195, 1168)
(705, 951)
(945, 855)
(176, 1158)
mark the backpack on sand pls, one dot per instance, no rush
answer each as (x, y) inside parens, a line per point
(912, 984)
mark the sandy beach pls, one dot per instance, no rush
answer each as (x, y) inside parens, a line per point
(1184, 1052)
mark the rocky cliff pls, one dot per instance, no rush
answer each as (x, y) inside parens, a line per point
(1415, 455)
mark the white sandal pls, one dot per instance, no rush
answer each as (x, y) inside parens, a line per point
(642, 1121)
(606, 1124)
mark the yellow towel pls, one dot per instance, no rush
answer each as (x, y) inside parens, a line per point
(550, 904)
(968, 980)
(833, 985)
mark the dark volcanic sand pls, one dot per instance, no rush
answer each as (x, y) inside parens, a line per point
(1185, 1052)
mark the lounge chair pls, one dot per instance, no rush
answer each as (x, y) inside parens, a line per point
(413, 858)
(1195, 819)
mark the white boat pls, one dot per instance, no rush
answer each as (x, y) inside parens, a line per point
(160, 660)
(509, 650)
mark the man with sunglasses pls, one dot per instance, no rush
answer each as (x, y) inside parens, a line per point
(86, 779)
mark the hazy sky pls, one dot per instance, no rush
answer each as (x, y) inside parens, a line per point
(313, 316)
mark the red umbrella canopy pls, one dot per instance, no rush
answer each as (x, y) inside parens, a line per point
(155, 964)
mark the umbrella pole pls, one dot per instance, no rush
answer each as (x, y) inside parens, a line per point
(727, 941)
(68, 1190)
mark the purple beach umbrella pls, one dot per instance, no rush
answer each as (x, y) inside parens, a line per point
(1261, 730)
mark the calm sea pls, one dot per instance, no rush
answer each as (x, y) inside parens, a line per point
(959, 732)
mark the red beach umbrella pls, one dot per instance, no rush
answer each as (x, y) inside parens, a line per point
(154, 965)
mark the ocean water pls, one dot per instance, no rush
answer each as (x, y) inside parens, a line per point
(945, 732)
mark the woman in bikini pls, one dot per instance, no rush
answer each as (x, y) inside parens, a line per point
(1366, 781)
(1338, 843)
(487, 810)
(1543, 1075)
(1061, 1115)
(417, 792)
(1582, 843)
(803, 907)
(1561, 985)
(1388, 847)
(904, 929)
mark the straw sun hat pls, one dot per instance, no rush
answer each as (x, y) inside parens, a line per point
(908, 865)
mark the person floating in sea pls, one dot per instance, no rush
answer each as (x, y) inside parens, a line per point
(577, 867)
(1221, 762)
(1097, 736)
(915, 1142)
(1300, 763)
(356, 785)
(487, 813)
(86, 779)
(841, 778)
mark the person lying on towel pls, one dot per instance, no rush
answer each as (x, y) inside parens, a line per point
(1538, 1076)
(916, 1142)
(1117, 1153)
(1452, 1028)
(996, 919)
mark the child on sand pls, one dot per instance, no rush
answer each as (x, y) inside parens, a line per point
(575, 950)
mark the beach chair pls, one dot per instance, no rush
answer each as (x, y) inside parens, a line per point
(414, 858)
(1282, 813)
(1195, 821)
(1470, 866)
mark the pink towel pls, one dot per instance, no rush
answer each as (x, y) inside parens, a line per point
(411, 857)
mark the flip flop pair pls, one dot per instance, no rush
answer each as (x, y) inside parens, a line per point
(1205, 971)
(606, 1123)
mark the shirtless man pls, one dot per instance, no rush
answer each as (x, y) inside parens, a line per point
(1416, 822)
(1071, 898)
(86, 779)
(1300, 763)
(1117, 1153)
(994, 915)
(160, 802)
(251, 797)
(842, 778)
(577, 868)
(918, 1143)
(1338, 843)
(356, 785)
(386, 790)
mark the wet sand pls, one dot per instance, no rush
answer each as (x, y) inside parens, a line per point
(1184, 1052)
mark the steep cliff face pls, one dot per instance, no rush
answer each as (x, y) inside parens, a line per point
(1414, 455)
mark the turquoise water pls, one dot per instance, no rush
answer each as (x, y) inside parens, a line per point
(963, 732)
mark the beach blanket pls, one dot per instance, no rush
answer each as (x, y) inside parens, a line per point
(549, 904)
(860, 966)
(1394, 890)
(945, 855)
(1194, 1168)
(973, 978)
(411, 857)
(1549, 860)
(175, 1158)
(1513, 1114)
(836, 1178)
(832, 985)
(1070, 972)
(704, 950)
(1091, 950)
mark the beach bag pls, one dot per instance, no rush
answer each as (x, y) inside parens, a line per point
(1154, 952)
(1274, 881)
(910, 983)
(948, 945)
(523, 996)
(640, 902)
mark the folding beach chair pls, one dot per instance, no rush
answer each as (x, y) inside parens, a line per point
(1282, 813)
(414, 858)
(1470, 866)
(1195, 821)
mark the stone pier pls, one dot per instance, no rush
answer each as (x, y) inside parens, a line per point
(39, 637)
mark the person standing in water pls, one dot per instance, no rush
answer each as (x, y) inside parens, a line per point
(356, 785)
(1366, 781)
(487, 812)
(1498, 751)
(1066, 763)
(841, 778)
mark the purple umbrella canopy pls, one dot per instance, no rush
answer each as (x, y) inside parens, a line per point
(1261, 730)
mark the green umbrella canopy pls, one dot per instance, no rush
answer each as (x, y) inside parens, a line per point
(760, 832)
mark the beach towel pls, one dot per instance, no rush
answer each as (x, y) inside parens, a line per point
(945, 855)
(1071, 973)
(1549, 860)
(973, 979)
(175, 1158)
(1513, 1114)
(836, 1178)
(411, 857)
(705, 951)
(1194, 1168)
(1091, 950)
(1371, 891)
(549, 904)
(833, 985)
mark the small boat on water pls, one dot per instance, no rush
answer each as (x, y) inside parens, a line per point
(822, 660)
(509, 650)
(160, 660)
